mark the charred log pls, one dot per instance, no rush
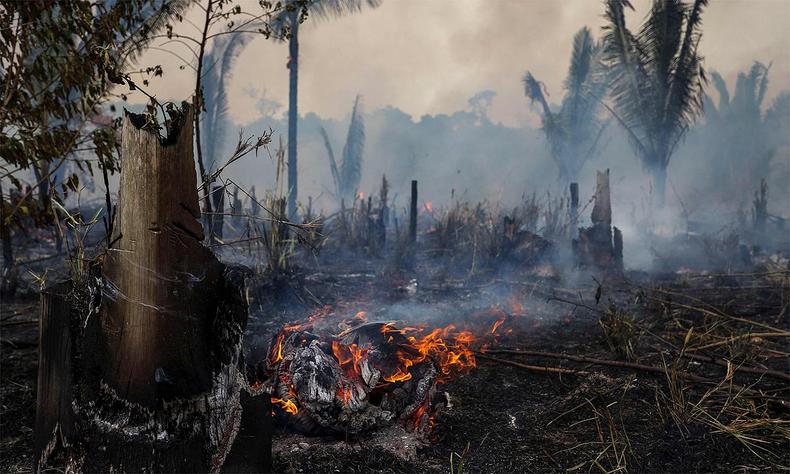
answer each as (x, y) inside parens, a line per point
(348, 384)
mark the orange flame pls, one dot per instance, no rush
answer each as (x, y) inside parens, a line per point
(496, 325)
(446, 347)
(399, 376)
(286, 405)
(350, 358)
(276, 354)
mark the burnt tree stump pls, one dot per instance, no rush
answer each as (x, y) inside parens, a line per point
(141, 357)
(597, 245)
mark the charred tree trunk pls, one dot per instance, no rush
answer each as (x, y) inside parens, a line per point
(293, 117)
(413, 214)
(54, 414)
(574, 202)
(761, 206)
(236, 210)
(154, 332)
(597, 245)
(7, 283)
(218, 218)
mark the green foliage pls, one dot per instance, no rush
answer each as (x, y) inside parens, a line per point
(59, 61)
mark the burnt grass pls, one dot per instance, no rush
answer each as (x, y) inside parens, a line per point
(503, 418)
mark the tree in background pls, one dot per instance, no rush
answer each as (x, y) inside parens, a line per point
(573, 132)
(741, 136)
(656, 79)
(288, 23)
(59, 61)
(348, 176)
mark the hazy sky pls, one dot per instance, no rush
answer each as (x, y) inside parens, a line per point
(430, 56)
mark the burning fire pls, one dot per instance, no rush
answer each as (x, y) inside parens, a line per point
(400, 355)
(448, 348)
(350, 358)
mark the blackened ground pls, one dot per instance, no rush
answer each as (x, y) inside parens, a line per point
(503, 419)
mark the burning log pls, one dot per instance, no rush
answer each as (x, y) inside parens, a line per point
(365, 378)
(141, 356)
(596, 245)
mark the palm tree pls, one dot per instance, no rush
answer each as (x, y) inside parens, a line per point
(574, 131)
(656, 79)
(740, 136)
(288, 21)
(349, 174)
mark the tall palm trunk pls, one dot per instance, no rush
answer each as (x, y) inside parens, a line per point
(659, 174)
(293, 68)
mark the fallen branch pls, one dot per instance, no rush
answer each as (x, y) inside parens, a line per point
(741, 368)
(535, 368)
(617, 363)
(735, 338)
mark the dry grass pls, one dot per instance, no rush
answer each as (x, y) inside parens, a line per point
(620, 332)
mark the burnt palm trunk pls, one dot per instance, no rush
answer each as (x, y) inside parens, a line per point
(293, 81)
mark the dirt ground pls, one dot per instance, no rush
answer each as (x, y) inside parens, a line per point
(505, 418)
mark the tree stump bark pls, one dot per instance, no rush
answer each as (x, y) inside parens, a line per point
(153, 352)
(597, 246)
(54, 415)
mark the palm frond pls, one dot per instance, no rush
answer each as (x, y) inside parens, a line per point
(721, 88)
(629, 81)
(219, 63)
(156, 14)
(534, 90)
(351, 168)
(284, 20)
(763, 85)
(332, 161)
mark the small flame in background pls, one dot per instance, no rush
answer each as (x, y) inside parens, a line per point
(451, 349)
(429, 207)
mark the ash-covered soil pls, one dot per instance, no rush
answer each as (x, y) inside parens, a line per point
(503, 418)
